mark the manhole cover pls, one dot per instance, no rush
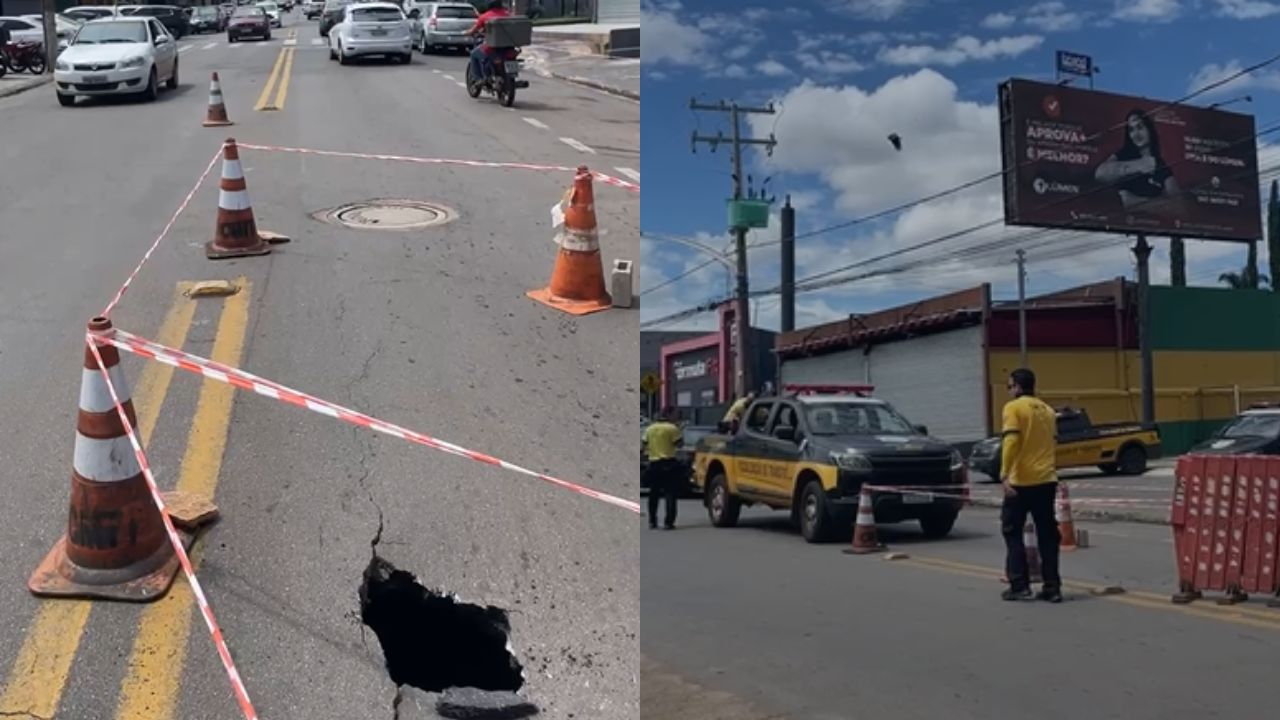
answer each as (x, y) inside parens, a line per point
(388, 215)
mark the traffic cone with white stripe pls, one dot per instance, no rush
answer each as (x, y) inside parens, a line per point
(217, 114)
(577, 283)
(115, 547)
(236, 233)
(1066, 524)
(1033, 551)
(864, 530)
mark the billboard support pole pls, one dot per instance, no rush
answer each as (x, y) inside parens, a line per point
(1022, 307)
(1142, 251)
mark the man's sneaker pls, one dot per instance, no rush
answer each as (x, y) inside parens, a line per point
(1053, 596)
(1016, 595)
(653, 526)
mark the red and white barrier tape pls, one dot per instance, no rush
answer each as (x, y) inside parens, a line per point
(607, 179)
(247, 381)
(237, 685)
(163, 233)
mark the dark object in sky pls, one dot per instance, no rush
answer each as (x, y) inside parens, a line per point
(897, 141)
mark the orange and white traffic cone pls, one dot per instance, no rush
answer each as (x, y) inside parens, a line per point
(236, 232)
(864, 530)
(1033, 551)
(217, 114)
(577, 283)
(1066, 524)
(115, 547)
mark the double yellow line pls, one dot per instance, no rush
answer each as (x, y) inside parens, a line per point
(35, 683)
(278, 80)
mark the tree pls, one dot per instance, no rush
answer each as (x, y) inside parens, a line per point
(1273, 232)
(1244, 280)
(1178, 262)
(1250, 273)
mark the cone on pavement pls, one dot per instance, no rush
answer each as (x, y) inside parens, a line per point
(577, 282)
(1066, 524)
(217, 114)
(115, 547)
(1033, 551)
(236, 232)
(864, 530)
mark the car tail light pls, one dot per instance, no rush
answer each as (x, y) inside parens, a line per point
(433, 22)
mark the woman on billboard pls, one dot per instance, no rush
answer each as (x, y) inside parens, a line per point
(1138, 170)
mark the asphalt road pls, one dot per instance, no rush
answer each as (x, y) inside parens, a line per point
(752, 623)
(430, 329)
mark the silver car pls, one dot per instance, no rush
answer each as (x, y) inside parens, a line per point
(371, 28)
(444, 25)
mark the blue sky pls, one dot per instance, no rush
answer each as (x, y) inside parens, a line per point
(845, 74)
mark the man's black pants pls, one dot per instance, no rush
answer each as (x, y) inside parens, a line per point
(665, 479)
(1038, 501)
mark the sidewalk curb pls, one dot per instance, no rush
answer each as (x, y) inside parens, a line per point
(586, 82)
(25, 86)
(1088, 514)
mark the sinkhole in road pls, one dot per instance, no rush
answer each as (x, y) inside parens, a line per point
(431, 640)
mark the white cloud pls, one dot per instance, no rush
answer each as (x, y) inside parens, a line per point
(772, 68)
(998, 21)
(1247, 9)
(1156, 11)
(829, 63)
(668, 39)
(1053, 17)
(735, 71)
(963, 49)
(875, 9)
(1213, 72)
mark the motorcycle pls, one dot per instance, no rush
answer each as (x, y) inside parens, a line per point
(501, 78)
(23, 56)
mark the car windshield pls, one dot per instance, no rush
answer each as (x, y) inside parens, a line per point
(102, 33)
(455, 11)
(376, 14)
(268, 6)
(840, 418)
(249, 12)
(1252, 426)
(205, 11)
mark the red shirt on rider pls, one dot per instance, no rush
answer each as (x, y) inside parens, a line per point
(486, 16)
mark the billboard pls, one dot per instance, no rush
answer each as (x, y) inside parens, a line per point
(1087, 160)
(1070, 63)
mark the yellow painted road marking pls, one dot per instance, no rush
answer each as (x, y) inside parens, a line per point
(279, 74)
(1253, 617)
(40, 672)
(150, 689)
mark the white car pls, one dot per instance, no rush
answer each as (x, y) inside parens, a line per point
(117, 56)
(23, 29)
(371, 28)
(273, 12)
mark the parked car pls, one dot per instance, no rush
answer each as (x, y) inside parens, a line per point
(119, 55)
(85, 13)
(311, 9)
(207, 19)
(331, 15)
(444, 25)
(811, 452)
(171, 16)
(1255, 431)
(273, 12)
(371, 28)
(23, 29)
(67, 25)
(692, 435)
(248, 21)
(1116, 449)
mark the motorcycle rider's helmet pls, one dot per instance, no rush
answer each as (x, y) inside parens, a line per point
(495, 5)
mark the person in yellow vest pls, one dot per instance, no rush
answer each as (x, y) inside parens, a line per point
(666, 474)
(1028, 472)
(736, 410)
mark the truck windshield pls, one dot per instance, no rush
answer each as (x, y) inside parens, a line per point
(1253, 426)
(855, 419)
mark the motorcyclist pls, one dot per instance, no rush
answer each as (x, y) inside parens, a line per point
(480, 55)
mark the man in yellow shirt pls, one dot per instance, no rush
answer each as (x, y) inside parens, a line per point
(1028, 472)
(666, 474)
(734, 414)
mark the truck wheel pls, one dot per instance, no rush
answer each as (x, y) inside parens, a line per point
(1133, 460)
(815, 518)
(722, 506)
(938, 525)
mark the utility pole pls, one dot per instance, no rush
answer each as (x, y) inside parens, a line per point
(1142, 251)
(1022, 307)
(788, 267)
(742, 313)
(50, 12)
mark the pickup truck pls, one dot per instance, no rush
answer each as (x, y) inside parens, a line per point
(810, 454)
(1115, 449)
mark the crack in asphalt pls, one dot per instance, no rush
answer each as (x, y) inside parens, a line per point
(22, 713)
